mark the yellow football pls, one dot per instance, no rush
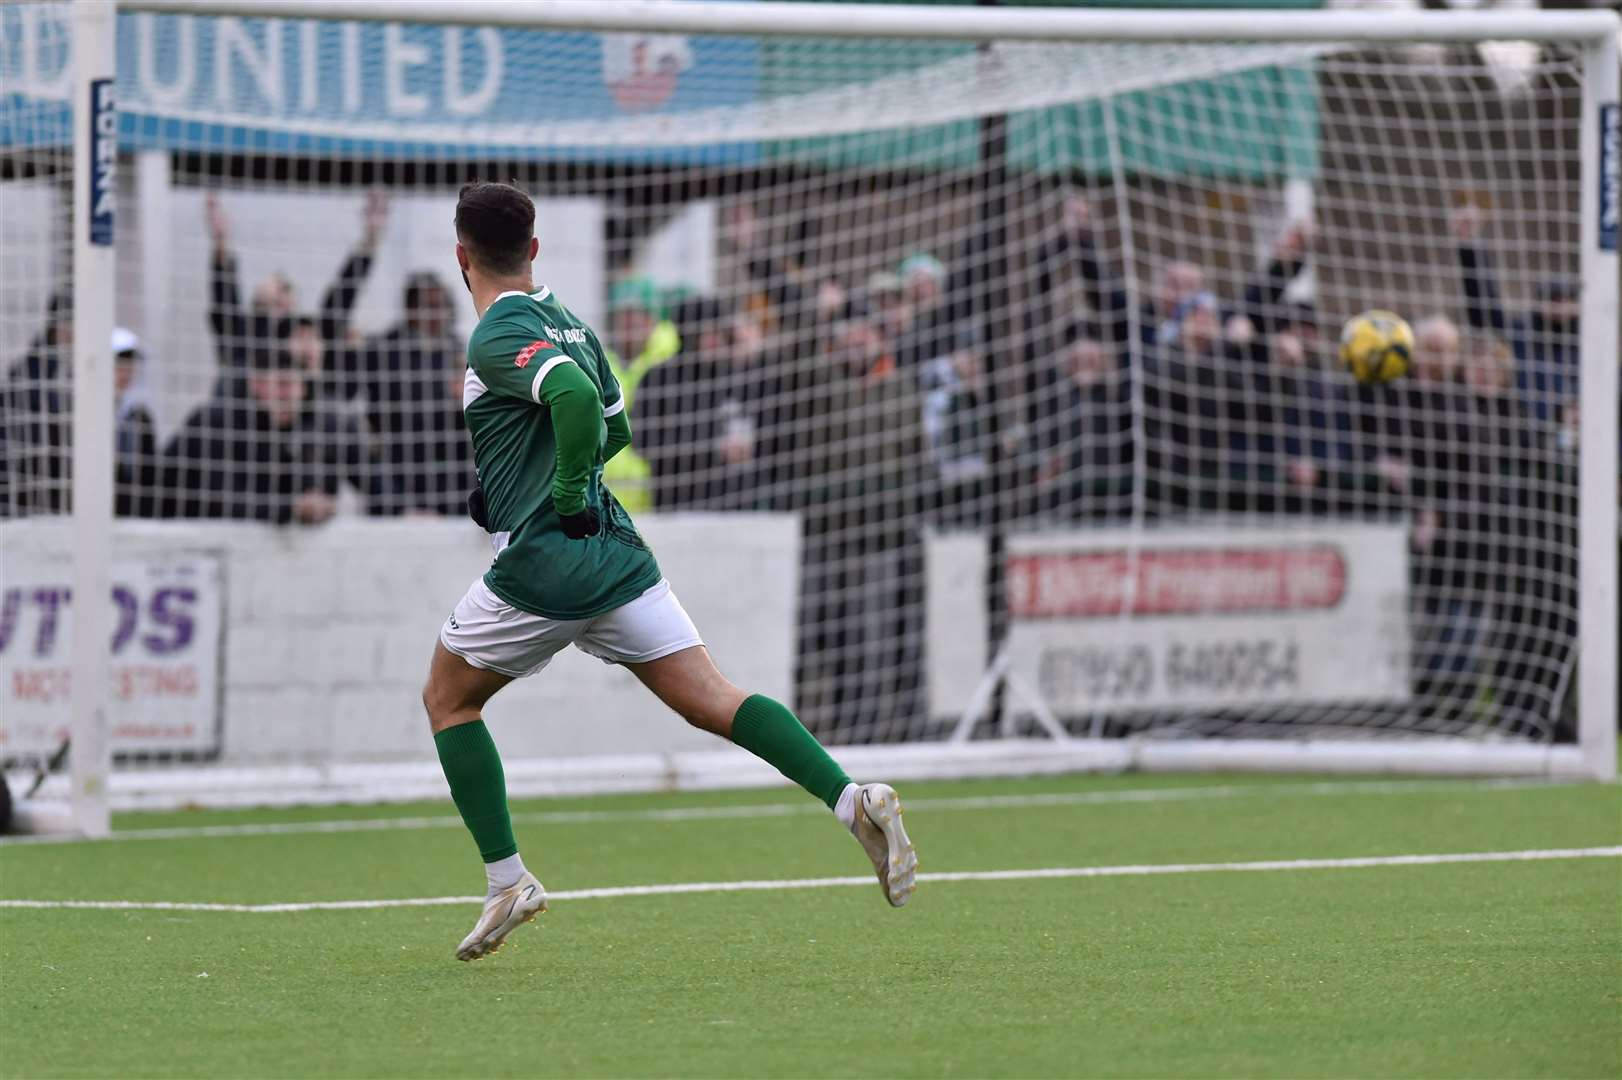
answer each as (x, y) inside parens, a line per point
(1376, 346)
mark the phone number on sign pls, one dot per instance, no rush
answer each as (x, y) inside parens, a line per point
(1138, 672)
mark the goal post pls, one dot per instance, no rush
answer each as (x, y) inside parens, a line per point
(93, 216)
(990, 349)
(1601, 601)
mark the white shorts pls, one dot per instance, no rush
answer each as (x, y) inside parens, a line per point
(490, 633)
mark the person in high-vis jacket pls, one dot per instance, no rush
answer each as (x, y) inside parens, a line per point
(638, 330)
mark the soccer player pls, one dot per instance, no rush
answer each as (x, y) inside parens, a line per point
(545, 413)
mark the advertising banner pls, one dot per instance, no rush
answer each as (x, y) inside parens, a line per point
(1192, 618)
(167, 618)
(387, 90)
(245, 85)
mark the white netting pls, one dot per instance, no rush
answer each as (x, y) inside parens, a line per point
(35, 298)
(910, 292)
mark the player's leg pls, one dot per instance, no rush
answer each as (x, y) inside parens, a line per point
(689, 682)
(484, 645)
(455, 696)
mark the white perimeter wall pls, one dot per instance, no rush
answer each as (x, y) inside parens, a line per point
(329, 630)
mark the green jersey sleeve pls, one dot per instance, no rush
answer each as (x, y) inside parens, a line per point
(511, 363)
(577, 426)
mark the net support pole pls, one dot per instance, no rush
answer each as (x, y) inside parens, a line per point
(1597, 453)
(95, 158)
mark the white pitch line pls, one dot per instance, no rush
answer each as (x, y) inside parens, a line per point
(612, 892)
(807, 808)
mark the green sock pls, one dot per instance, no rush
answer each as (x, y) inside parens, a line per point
(479, 787)
(773, 734)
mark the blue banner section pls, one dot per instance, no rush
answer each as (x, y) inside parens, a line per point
(1610, 175)
(375, 89)
(103, 190)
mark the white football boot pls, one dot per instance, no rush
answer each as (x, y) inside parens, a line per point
(504, 912)
(878, 827)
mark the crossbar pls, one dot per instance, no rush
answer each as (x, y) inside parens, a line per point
(939, 23)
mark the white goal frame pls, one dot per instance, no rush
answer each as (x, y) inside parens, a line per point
(1593, 756)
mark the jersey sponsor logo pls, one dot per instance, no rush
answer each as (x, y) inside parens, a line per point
(527, 353)
(577, 337)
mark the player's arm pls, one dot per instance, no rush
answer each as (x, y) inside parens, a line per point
(540, 373)
(619, 434)
(577, 425)
(615, 415)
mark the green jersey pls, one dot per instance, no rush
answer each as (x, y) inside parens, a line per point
(545, 412)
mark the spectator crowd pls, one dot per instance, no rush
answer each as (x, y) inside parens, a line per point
(301, 407)
(921, 396)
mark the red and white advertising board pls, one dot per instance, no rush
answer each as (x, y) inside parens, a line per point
(167, 618)
(1187, 618)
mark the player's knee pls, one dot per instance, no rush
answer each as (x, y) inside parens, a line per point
(706, 718)
(713, 710)
(716, 706)
(441, 707)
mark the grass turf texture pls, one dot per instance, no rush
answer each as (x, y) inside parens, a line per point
(1499, 969)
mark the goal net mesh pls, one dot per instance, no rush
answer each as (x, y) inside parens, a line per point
(1037, 342)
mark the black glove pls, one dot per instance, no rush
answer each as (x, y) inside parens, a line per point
(476, 508)
(581, 526)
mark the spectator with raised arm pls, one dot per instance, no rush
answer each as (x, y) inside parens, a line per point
(270, 322)
(1178, 286)
(1544, 338)
(1287, 421)
(1074, 249)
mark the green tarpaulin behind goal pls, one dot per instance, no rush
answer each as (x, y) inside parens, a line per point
(1249, 125)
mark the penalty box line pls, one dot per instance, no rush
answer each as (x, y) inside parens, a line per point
(1312, 789)
(677, 888)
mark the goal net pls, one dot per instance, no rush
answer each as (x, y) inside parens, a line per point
(982, 387)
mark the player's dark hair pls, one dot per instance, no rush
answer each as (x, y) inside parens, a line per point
(495, 223)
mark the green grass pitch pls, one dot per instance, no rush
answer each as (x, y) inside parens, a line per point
(1492, 969)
